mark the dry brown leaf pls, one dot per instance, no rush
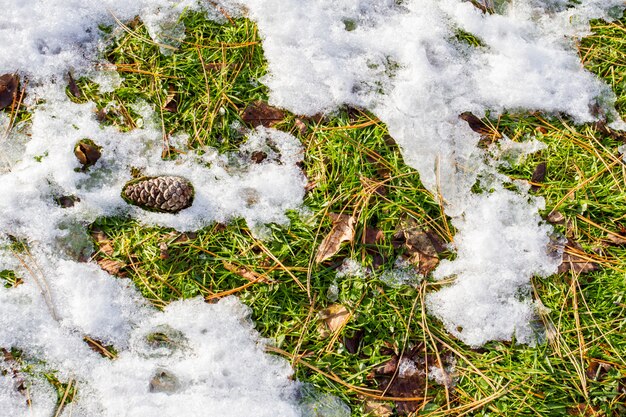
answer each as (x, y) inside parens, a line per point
(406, 375)
(9, 84)
(245, 273)
(576, 260)
(171, 101)
(111, 266)
(584, 410)
(539, 174)
(334, 316)
(164, 250)
(556, 217)
(616, 240)
(73, 87)
(87, 152)
(300, 126)
(104, 243)
(342, 231)
(259, 113)
(377, 409)
(258, 156)
(421, 247)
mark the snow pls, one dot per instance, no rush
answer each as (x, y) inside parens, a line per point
(399, 59)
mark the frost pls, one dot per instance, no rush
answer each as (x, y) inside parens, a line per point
(402, 273)
(350, 268)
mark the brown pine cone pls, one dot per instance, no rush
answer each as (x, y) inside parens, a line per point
(167, 194)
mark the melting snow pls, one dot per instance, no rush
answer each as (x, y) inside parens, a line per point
(400, 59)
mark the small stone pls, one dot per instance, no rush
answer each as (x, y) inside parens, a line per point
(164, 381)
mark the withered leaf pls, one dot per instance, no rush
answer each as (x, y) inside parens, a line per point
(258, 156)
(105, 245)
(602, 127)
(406, 376)
(259, 113)
(556, 217)
(334, 316)
(372, 235)
(377, 409)
(353, 341)
(87, 152)
(246, 273)
(73, 87)
(171, 101)
(475, 123)
(539, 174)
(617, 240)
(9, 84)
(300, 126)
(164, 250)
(576, 260)
(342, 231)
(420, 247)
(584, 410)
(111, 266)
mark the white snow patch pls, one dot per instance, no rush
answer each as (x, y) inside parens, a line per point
(401, 60)
(211, 353)
(226, 185)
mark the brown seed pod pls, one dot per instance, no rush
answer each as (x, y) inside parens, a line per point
(166, 194)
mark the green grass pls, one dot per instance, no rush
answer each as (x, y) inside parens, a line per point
(355, 168)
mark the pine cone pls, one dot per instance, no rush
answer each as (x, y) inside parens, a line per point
(164, 194)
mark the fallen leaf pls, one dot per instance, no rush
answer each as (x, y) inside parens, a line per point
(556, 217)
(353, 342)
(342, 231)
(171, 101)
(67, 201)
(300, 126)
(104, 243)
(164, 250)
(258, 157)
(372, 235)
(539, 175)
(616, 240)
(259, 113)
(246, 273)
(406, 376)
(87, 152)
(334, 316)
(602, 127)
(583, 410)
(9, 84)
(74, 90)
(420, 247)
(111, 266)
(377, 409)
(576, 260)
